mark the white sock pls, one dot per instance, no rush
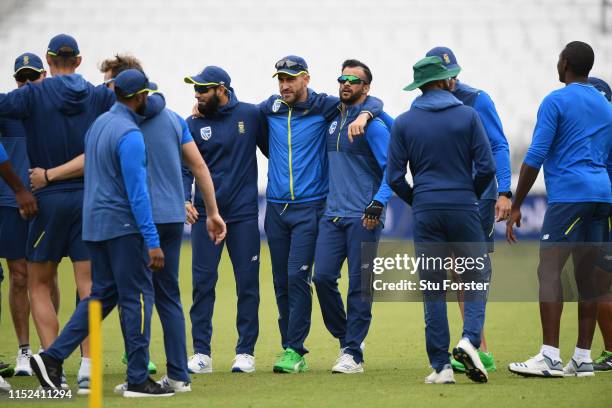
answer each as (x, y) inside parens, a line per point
(582, 354)
(551, 352)
(85, 368)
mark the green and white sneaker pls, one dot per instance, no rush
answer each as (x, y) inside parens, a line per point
(290, 361)
(487, 360)
(603, 362)
(152, 367)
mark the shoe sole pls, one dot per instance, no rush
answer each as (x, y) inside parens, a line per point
(585, 374)
(280, 370)
(473, 373)
(41, 372)
(546, 374)
(239, 370)
(133, 394)
(347, 372)
(83, 391)
(190, 371)
(23, 373)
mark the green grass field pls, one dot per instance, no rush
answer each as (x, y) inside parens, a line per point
(396, 362)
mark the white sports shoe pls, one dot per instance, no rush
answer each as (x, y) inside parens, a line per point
(582, 369)
(119, 389)
(22, 364)
(4, 385)
(200, 364)
(446, 376)
(345, 364)
(467, 355)
(538, 366)
(243, 363)
(176, 386)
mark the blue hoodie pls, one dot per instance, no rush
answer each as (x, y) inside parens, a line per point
(12, 135)
(56, 114)
(228, 141)
(297, 171)
(442, 140)
(483, 104)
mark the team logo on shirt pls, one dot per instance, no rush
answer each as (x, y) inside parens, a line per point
(206, 132)
(276, 105)
(332, 127)
(241, 128)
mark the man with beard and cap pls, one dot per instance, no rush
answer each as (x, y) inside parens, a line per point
(121, 236)
(572, 140)
(451, 163)
(227, 133)
(354, 214)
(168, 143)
(298, 120)
(56, 113)
(494, 204)
(13, 228)
(604, 308)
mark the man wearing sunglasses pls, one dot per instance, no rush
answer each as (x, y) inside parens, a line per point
(13, 228)
(298, 119)
(56, 114)
(494, 204)
(354, 214)
(227, 133)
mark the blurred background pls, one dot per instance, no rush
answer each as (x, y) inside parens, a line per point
(508, 48)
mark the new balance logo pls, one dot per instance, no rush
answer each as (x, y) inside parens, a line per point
(254, 258)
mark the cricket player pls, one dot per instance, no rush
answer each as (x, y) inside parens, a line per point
(494, 204)
(444, 141)
(227, 133)
(298, 119)
(573, 140)
(27, 207)
(56, 113)
(121, 236)
(354, 214)
(604, 308)
(13, 228)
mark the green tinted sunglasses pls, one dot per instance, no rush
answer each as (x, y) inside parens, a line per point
(352, 79)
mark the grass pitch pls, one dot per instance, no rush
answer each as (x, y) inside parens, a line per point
(396, 362)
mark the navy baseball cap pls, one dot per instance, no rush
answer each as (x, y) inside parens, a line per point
(132, 82)
(28, 61)
(210, 76)
(62, 41)
(602, 86)
(446, 55)
(291, 65)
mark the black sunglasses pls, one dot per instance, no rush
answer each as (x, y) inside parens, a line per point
(204, 88)
(289, 64)
(27, 75)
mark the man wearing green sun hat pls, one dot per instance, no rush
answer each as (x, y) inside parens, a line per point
(443, 140)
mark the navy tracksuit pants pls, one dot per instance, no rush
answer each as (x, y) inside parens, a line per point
(446, 233)
(243, 245)
(340, 239)
(168, 301)
(120, 277)
(292, 233)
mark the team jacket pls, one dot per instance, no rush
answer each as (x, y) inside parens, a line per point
(298, 168)
(228, 143)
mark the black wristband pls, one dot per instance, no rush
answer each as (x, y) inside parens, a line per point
(507, 194)
(46, 178)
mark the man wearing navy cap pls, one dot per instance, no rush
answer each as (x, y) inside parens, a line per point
(444, 205)
(604, 308)
(121, 236)
(56, 114)
(227, 134)
(13, 228)
(168, 141)
(298, 119)
(494, 204)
